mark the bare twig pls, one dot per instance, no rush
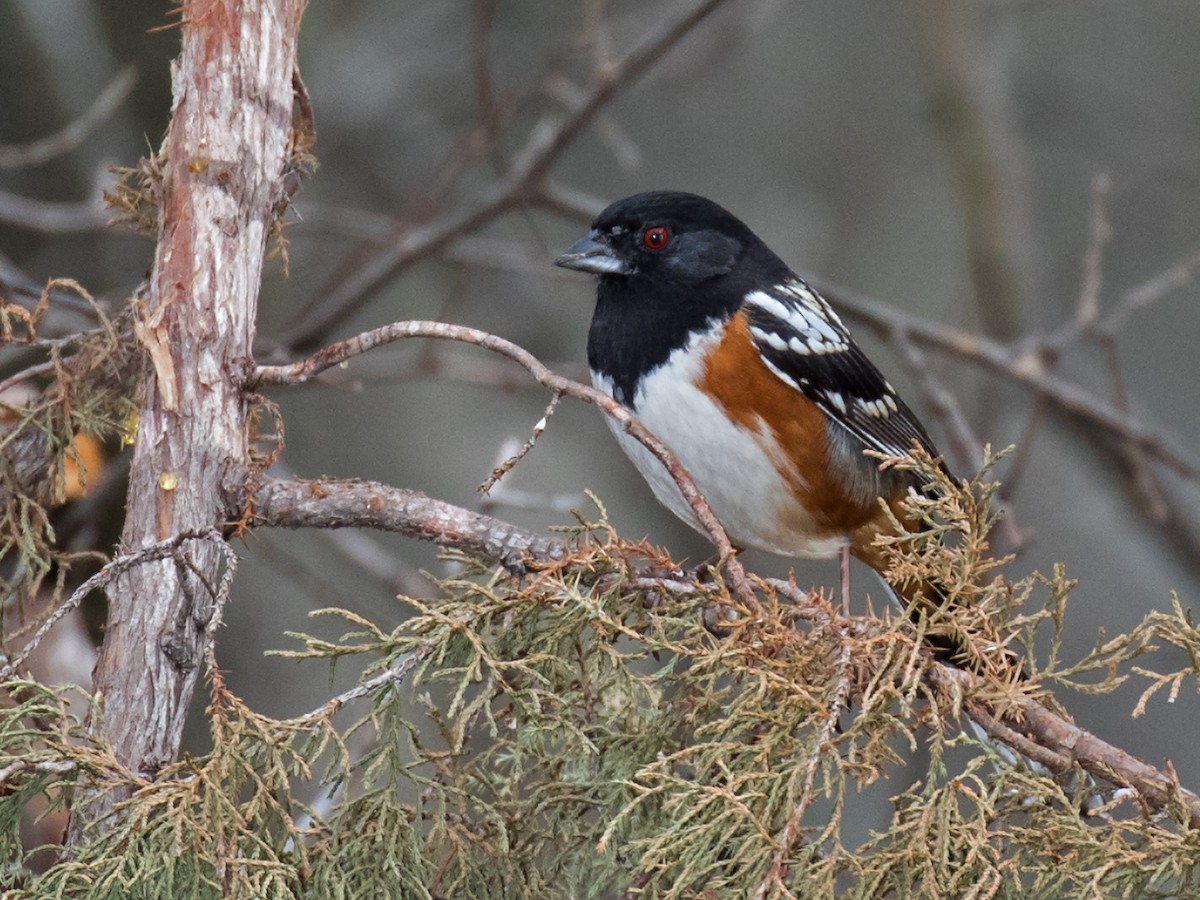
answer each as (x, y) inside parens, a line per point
(15, 156)
(299, 372)
(1135, 298)
(965, 444)
(392, 675)
(51, 217)
(27, 373)
(485, 86)
(506, 466)
(364, 504)
(529, 167)
(371, 557)
(1150, 291)
(40, 766)
(1024, 368)
(123, 563)
(1145, 481)
(1087, 307)
(1024, 450)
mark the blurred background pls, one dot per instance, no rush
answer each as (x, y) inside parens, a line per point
(1024, 171)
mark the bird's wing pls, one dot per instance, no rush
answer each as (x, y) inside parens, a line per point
(805, 344)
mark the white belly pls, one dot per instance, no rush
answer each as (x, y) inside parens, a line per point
(737, 471)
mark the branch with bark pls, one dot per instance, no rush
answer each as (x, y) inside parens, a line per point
(223, 165)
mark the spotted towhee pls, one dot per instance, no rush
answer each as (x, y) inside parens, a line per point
(747, 374)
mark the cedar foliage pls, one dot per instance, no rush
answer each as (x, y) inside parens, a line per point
(579, 732)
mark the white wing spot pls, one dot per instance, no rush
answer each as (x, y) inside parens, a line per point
(877, 409)
(813, 322)
(837, 400)
(798, 345)
(767, 303)
(801, 292)
(770, 338)
(809, 298)
(781, 375)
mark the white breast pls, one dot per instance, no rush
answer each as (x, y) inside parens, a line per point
(737, 471)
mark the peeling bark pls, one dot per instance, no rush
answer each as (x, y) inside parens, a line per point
(223, 166)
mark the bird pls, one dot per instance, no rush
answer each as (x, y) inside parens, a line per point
(748, 375)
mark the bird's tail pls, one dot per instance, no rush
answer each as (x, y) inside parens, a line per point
(934, 590)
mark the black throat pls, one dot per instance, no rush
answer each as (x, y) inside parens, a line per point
(637, 325)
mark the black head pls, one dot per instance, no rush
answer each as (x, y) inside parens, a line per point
(670, 264)
(667, 237)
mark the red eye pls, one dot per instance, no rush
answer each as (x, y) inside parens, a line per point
(656, 238)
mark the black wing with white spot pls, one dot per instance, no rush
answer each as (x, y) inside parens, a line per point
(802, 341)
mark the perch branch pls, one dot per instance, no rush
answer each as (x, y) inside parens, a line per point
(1050, 738)
(305, 369)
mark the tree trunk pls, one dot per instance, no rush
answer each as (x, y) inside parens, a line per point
(222, 168)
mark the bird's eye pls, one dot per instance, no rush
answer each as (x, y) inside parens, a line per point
(656, 238)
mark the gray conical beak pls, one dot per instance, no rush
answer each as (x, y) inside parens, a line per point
(592, 253)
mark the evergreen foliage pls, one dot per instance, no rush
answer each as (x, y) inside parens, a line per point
(579, 732)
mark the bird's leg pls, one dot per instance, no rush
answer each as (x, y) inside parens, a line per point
(844, 560)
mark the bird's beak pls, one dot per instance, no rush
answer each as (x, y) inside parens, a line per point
(592, 253)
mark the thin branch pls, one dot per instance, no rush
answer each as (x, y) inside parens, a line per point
(546, 143)
(392, 675)
(40, 766)
(15, 156)
(1024, 450)
(967, 448)
(34, 371)
(1087, 307)
(302, 371)
(1053, 740)
(50, 217)
(123, 563)
(507, 464)
(1136, 298)
(371, 557)
(487, 107)
(331, 503)
(622, 74)
(1146, 484)
(1024, 368)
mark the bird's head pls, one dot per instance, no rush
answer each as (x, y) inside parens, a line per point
(665, 237)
